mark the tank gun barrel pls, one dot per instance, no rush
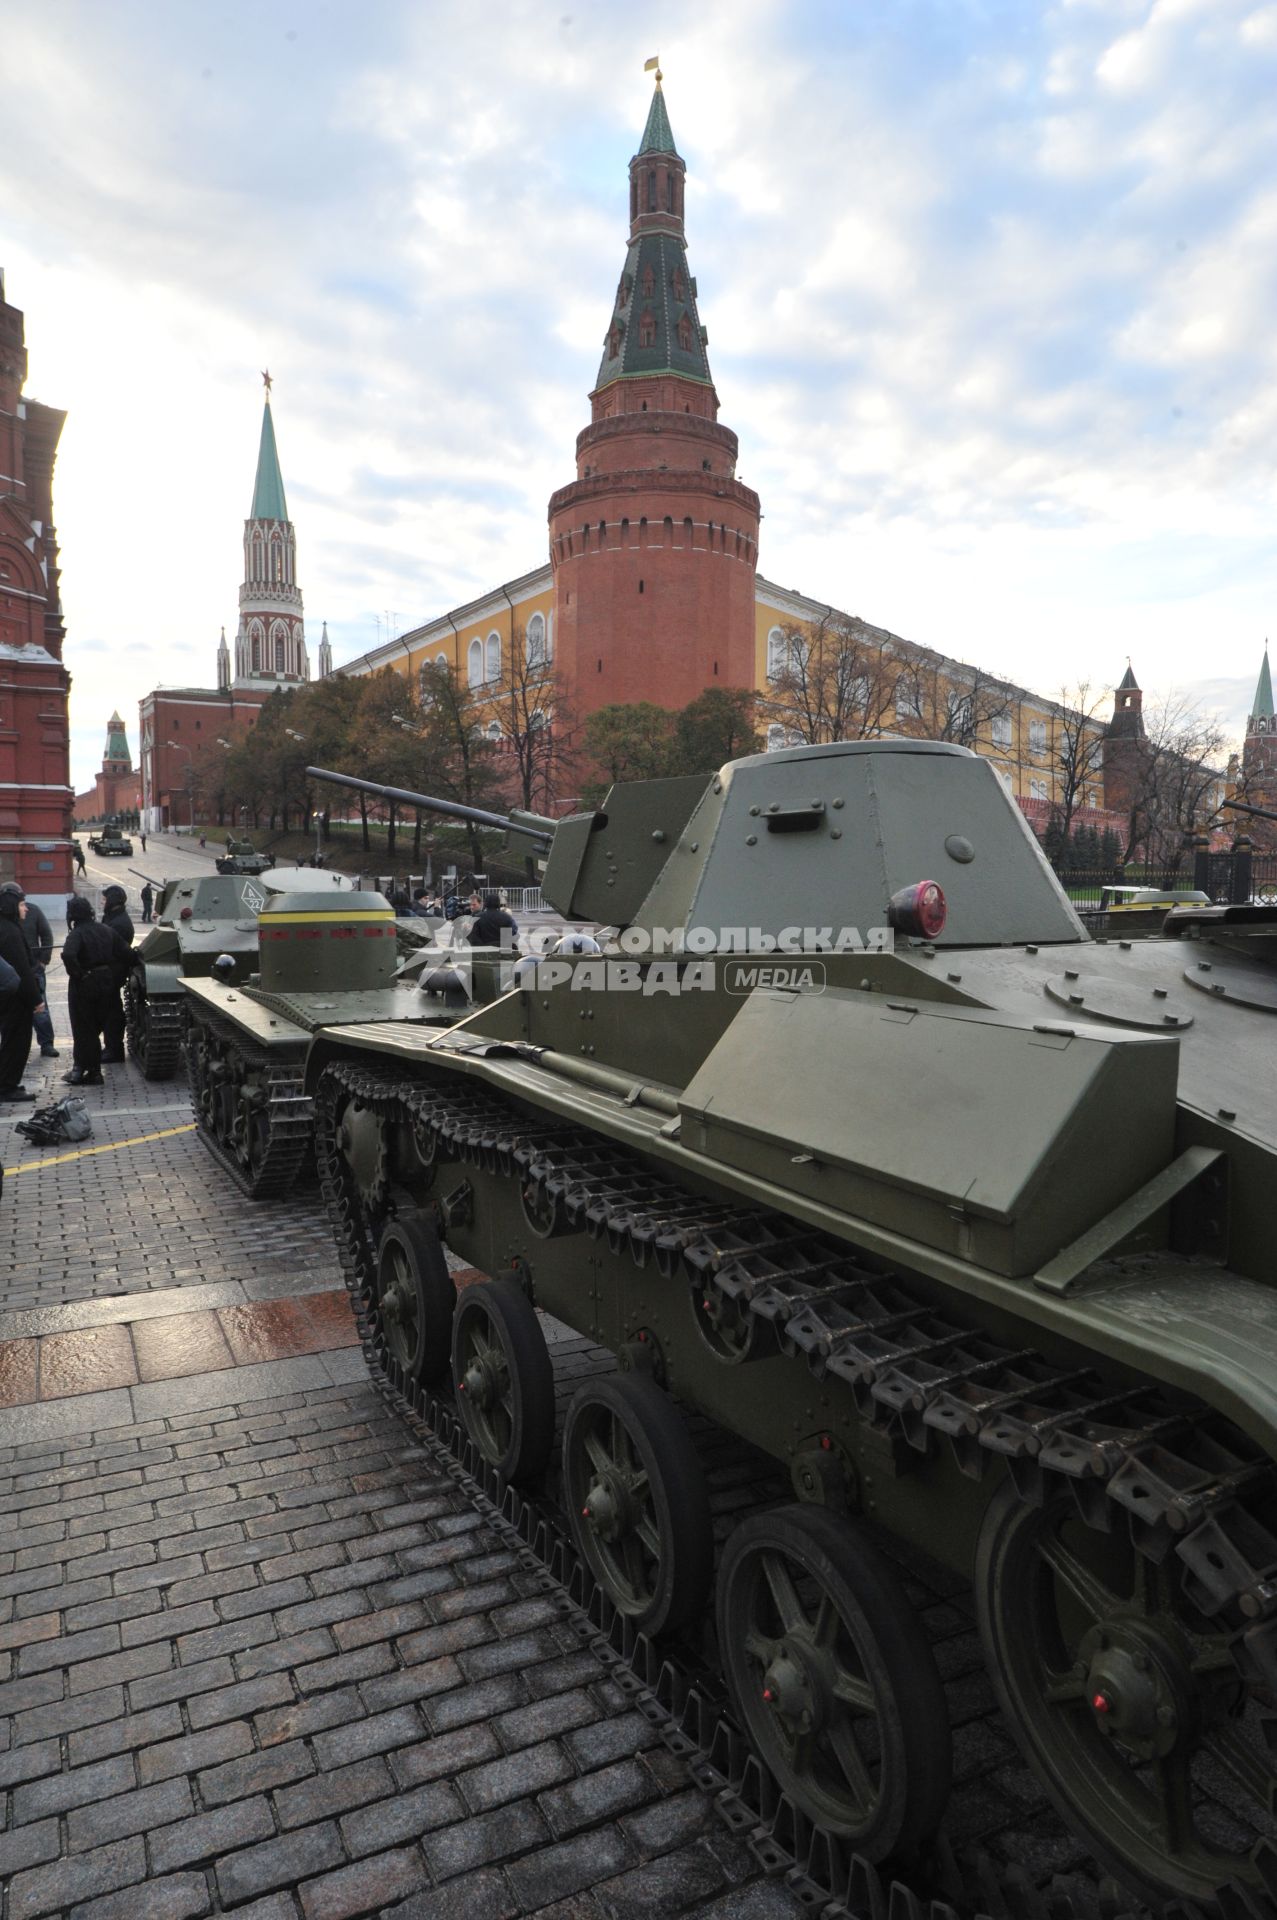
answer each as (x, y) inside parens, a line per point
(1244, 806)
(149, 878)
(533, 830)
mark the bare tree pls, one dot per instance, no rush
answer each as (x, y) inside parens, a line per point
(1176, 781)
(535, 726)
(951, 702)
(834, 681)
(1078, 750)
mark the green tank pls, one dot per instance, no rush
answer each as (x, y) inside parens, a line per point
(241, 856)
(109, 839)
(852, 1142)
(197, 920)
(323, 955)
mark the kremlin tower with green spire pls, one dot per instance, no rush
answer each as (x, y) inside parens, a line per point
(270, 645)
(654, 547)
(1259, 759)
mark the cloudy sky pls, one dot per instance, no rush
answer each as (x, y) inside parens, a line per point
(989, 288)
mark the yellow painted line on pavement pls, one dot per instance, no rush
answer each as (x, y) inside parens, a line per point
(57, 1160)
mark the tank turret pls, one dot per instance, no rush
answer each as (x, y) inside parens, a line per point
(807, 838)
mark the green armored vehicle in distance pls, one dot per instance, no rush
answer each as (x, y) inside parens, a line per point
(197, 921)
(110, 838)
(325, 956)
(241, 856)
(857, 1146)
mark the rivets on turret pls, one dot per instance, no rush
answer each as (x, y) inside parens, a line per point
(955, 977)
(753, 813)
(835, 833)
(1159, 993)
(1070, 973)
(835, 804)
(751, 839)
(658, 834)
(1227, 1113)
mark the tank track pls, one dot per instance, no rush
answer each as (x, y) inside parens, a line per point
(1184, 1481)
(162, 1019)
(290, 1132)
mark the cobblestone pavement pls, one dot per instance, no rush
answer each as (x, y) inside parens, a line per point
(256, 1653)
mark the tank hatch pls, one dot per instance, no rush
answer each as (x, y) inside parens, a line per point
(1125, 1003)
(1245, 986)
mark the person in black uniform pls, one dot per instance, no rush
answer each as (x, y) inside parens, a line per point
(38, 935)
(115, 915)
(18, 1007)
(491, 922)
(92, 956)
(148, 901)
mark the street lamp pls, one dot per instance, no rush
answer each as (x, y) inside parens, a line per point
(319, 845)
(190, 793)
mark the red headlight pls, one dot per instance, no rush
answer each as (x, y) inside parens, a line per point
(187, 912)
(919, 910)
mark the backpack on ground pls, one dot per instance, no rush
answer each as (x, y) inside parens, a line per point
(66, 1119)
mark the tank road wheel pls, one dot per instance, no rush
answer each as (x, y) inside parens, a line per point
(1124, 1699)
(832, 1674)
(637, 1501)
(505, 1383)
(415, 1298)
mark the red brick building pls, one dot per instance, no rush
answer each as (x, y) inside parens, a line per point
(184, 730)
(654, 547)
(35, 787)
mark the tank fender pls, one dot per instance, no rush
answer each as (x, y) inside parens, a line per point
(160, 977)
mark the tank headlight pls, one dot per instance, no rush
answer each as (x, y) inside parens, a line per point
(919, 910)
(187, 912)
(223, 968)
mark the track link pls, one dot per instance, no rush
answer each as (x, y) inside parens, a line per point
(1183, 1481)
(270, 1153)
(156, 1028)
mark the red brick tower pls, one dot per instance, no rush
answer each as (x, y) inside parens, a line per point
(35, 791)
(655, 545)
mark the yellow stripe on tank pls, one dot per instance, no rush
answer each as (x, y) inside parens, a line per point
(320, 913)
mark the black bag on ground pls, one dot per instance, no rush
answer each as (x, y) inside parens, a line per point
(66, 1119)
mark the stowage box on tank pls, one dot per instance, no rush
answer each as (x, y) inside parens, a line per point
(853, 1141)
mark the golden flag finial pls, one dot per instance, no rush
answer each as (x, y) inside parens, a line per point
(654, 65)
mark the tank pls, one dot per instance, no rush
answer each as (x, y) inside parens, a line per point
(325, 955)
(853, 1144)
(197, 920)
(110, 838)
(241, 856)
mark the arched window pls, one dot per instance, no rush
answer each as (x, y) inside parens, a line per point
(493, 657)
(684, 333)
(687, 531)
(649, 281)
(494, 730)
(257, 565)
(536, 640)
(668, 531)
(537, 722)
(276, 560)
(647, 328)
(775, 738)
(279, 644)
(255, 638)
(777, 657)
(441, 659)
(549, 637)
(474, 663)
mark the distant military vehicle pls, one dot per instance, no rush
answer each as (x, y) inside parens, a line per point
(858, 1146)
(197, 920)
(110, 838)
(325, 957)
(241, 856)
